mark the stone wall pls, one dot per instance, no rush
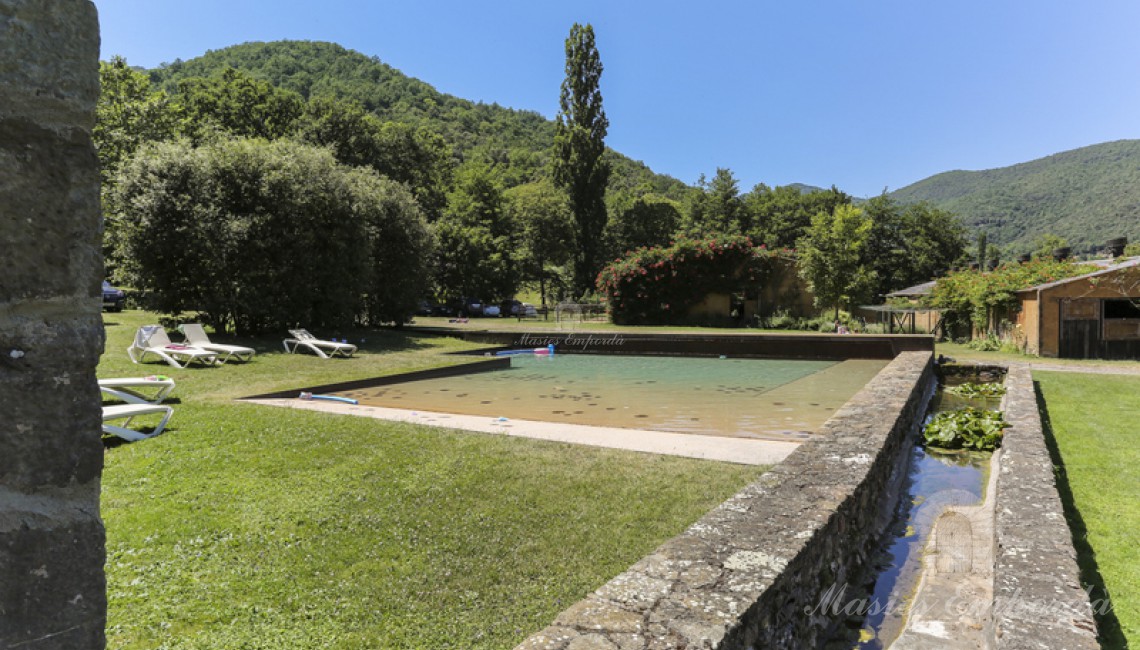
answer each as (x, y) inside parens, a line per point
(52, 591)
(1038, 600)
(757, 571)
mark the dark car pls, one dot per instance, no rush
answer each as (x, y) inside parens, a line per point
(113, 299)
(470, 307)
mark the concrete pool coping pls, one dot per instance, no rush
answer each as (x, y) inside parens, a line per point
(746, 451)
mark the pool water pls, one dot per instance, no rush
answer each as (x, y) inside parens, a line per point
(936, 480)
(756, 398)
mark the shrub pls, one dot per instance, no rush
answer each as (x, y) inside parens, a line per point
(660, 285)
(988, 344)
(980, 294)
(260, 235)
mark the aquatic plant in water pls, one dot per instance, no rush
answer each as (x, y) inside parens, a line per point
(971, 389)
(967, 428)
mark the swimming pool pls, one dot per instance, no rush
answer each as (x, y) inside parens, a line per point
(748, 398)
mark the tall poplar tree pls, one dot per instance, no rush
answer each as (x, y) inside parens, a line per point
(579, 142)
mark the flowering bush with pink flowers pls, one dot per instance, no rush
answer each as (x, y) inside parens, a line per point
(658, 286)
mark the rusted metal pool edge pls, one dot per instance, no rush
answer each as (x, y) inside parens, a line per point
(742, 344)
(484, 365)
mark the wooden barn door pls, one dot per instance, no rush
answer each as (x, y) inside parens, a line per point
(1080, 329)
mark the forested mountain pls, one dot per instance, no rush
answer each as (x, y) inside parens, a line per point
(516, 141)
(1086, 196)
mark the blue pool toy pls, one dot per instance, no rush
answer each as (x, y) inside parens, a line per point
(546, 351)
(331, 398)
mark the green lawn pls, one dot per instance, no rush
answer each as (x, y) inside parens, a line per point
(247, 526)
(1095, 423)
(963, 352)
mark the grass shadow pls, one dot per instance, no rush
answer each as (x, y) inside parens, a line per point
(1109, 633)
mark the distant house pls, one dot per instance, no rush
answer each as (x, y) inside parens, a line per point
(784, 291)
(1092, 316)
(905, 311)
(915, 293)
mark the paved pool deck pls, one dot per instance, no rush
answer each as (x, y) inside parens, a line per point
(746, 451)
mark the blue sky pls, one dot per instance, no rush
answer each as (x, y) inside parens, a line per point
(861, 94)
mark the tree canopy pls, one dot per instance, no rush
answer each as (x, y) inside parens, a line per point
(579, 144)
(256, 235)
(831, 257)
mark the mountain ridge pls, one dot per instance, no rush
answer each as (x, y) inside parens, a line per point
(1086, 195)
(521, 138)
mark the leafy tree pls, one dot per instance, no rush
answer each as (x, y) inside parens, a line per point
(418, 158)
(647, 221)
(475, 238)
(909, 245)
(344, 126)
(781, 216)
(886, 249)
(1044, 244)
(258, 235)
(128, 114)
(236, 103)
(983, 248)
(579, 144)
(517, 143)
(934, 239)
(545, 233)
(415, 157)
(831, 257)
(400, 250)
(716, 206)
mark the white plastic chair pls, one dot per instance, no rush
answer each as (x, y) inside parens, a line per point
(129, 412)
(302, 339)
(131, 389)
(152, 339)
(196, 336)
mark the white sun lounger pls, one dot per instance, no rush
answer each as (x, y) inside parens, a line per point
(131, 389)
(196, 336)
(321, 348)
(152, 339)
(128, 412)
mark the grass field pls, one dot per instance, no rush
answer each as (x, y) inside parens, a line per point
(962, 352)
(1094, 423)
(246, 526)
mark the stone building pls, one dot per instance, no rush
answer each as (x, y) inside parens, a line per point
(1091, 316)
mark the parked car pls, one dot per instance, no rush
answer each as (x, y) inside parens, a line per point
(491, 310)
(467, 307)
(424, 308)
(113, 299)
(510, 307)
(527, 310)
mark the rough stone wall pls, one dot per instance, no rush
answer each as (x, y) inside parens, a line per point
(755, 572)
(1038, 600)
(52, 588)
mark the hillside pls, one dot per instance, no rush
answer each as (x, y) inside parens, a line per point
(1086, 195)
(518, 139)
